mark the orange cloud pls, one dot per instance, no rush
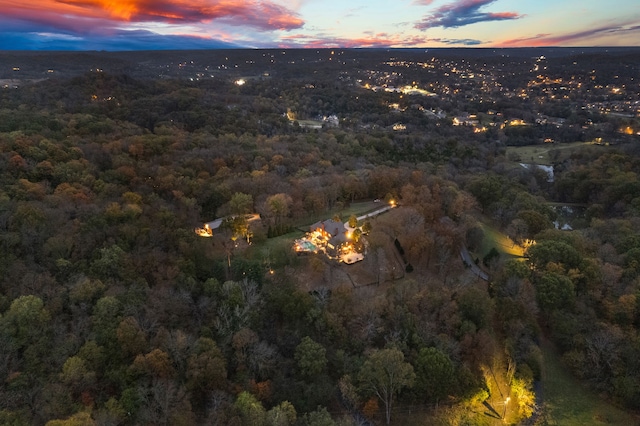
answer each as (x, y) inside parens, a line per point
(261, 14)
(499, 16)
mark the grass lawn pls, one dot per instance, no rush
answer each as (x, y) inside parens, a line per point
(539, 154)
(571, 404)
(356, 209)
(502, 243)
(311, 124)
(272, 247)
(359, 208)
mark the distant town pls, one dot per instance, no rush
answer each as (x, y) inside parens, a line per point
(555, 91)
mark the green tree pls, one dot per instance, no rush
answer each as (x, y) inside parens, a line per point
(525, 397)
(76, 374)
(357, 234)
(487, 189)
(111, 263)
(476, 306)
(310, 357)
(434, 374)
(353, 221)
(105, 320)
(319, 417)
(535, 221)
(283, 414)
(250, 409)
(556, 251)
(239, 226)
(112, 413)
(26, 321)
(553, 291)
(79, 419)
(240, 204)
(385, 373)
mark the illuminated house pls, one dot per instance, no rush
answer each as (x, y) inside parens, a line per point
(333, 232)
(465, 120)
(205, 231)
(328, 228)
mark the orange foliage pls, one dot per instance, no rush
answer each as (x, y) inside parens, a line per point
(371, 408)
(262, 390)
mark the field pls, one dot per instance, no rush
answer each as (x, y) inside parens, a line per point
(568, 403)
(545, 154)
(356, 209)
(502, 243)
(310, 124)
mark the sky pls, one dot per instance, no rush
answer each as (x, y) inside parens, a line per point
(115, 25)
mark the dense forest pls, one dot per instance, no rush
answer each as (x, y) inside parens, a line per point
(114, 312)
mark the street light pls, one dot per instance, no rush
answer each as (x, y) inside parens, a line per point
(506, 401)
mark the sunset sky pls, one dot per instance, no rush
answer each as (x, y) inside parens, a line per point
(197, 24)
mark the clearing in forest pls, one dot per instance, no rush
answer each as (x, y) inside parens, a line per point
(546, 154)
(569, 403)
(501, 242)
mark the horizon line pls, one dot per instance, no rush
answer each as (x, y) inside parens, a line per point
(317, 48)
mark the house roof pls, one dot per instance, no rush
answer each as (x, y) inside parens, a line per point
(332, 227)
(329, 226)
(317, 225)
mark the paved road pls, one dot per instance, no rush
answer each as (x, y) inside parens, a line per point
(466, 258)
(218, 222)
(375, 213)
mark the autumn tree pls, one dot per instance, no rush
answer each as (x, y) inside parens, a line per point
(353, 221)
(206, 369)
(278, 206)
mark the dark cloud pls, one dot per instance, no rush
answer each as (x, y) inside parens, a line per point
(48, 21)
(463, 12)
(462, 41)
(118, 41)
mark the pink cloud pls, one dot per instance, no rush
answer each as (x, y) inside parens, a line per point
(378, 40)
(574, 38)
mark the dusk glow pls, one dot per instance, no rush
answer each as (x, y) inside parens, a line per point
(198, 24)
